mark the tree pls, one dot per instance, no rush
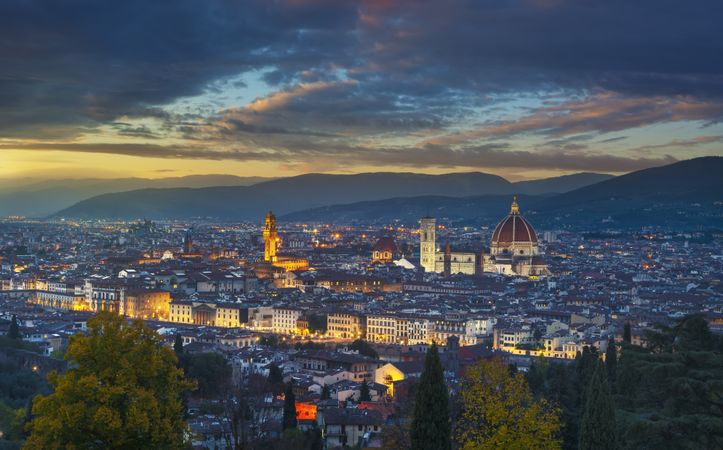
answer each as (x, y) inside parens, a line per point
(276, 379)
(325, 392)
(430, 424)
(122, 391)
(597, 429)
(365, 395)
(672, 397)
(211, 371)
(364, 348)
(178, 345)
(289, 408)
(499, 411)
(14, 331)
(627, 334)
(611, 361)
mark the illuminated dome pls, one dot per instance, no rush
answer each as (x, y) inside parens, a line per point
(514, 236)
(385, 250)
(514, 228)
(385, 244)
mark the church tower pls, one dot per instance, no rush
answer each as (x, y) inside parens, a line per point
(271, 238)
(427, 243)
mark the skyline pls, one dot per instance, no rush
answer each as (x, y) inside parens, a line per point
(522, 89)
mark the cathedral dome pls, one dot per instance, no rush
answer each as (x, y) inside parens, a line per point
(385, 245)
(514, 229)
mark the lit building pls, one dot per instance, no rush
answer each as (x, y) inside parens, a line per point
(217, 314)
(272, 244)
(427, 243)
(345, 325)
(514, 248)
(384, 251)
(285, 320)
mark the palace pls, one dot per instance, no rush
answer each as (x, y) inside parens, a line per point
(272, 244)
(513, 250)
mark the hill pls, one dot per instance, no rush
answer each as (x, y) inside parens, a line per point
(38, 198)
(301, 192)
(681, 195)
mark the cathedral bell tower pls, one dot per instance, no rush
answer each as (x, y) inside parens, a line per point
(427, 243)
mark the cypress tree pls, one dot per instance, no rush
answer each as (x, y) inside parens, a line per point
(365, 395)
(597, 429)
(611, 362)
(627, 334)
(289, 408)
(178, 345)
(326, 392)
(14, 331)
(430, 424)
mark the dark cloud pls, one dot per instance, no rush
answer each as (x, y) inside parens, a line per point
(349, 72)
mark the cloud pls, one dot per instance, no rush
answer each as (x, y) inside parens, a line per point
(496, 155)
(600, 113)
(371, 81)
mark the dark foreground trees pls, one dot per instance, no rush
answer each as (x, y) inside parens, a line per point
(123, 391)
(597, 428)
(430, 424)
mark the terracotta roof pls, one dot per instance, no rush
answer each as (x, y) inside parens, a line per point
(514, 228)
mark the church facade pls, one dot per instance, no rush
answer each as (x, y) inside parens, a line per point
(513, 250)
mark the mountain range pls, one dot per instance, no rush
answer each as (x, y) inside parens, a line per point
(684, 194)
(33, 197)
(681, 195)
(301, 192)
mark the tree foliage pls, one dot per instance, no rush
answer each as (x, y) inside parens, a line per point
(289, 408)
(611, 361)
(672, 396)
(430, 428)
(14, 331)
(123, 391)
(178, 345)
(500, 411)
(597, 428)
(365, 395)
(364, 348)
(211, 371)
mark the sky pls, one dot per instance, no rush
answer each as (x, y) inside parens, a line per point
(520, 88)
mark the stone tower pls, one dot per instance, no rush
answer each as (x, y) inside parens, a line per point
(271, 238)
(427, 243)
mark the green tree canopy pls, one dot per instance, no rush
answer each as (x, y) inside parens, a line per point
(430, 424)
(211, 371)
(14, 331)
(611, 361)
(364, 348)
(365, 395)
(178, 344)
(671, 396)
(289, 408)
(499, 411)
(597, 428)
(123, 391)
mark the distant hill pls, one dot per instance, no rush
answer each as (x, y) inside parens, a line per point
(561, 184)
(684, 194)
(38, 198)
(286, 195)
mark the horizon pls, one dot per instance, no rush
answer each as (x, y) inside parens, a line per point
(315, 86)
